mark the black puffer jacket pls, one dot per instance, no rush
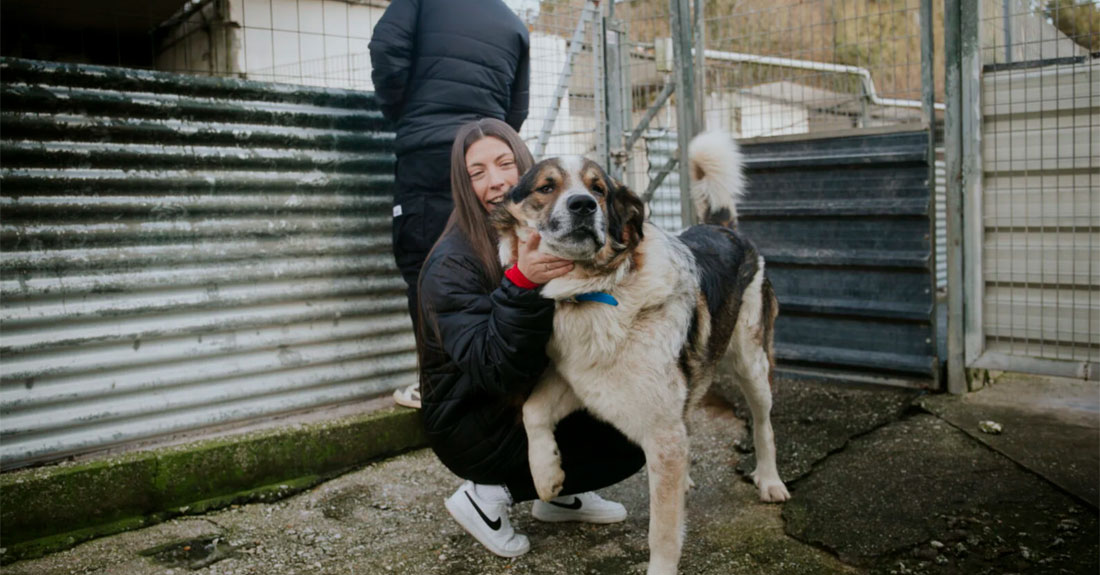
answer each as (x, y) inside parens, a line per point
(481, 364)
(438, 64)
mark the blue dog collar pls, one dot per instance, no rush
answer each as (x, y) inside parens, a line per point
(597, 296)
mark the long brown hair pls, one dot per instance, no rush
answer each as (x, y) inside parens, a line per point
(469, 218)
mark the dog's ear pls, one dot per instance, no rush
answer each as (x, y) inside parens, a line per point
(502, 218)
(625, 215)
(525, 185)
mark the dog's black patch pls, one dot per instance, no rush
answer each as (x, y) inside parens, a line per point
(526, 184)
(624, 209)
(722, 217)
(727, 262)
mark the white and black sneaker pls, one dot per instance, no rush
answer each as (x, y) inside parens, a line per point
(487, 520)
(587, 507)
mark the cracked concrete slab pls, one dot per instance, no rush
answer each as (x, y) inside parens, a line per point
(921, 492)
(1049, 425)
(812, 419)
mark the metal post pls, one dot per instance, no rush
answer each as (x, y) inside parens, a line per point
(962, 142)
(970, 73)
(614, 99)
(575, 45)
(1007, 19)
(680, 11)
(928, 116)
(700, 67)
(599, 87)
(627, 101)
(952, 139)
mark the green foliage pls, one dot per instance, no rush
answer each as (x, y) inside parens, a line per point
(1078, 19)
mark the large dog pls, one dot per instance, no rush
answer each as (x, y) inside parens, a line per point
(643, 319)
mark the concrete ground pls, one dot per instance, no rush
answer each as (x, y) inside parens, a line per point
(882, 481)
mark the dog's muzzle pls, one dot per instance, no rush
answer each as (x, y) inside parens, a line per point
(575, 229)
(581, 206)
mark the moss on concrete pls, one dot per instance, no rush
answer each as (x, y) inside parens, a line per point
(41, 502)
(51, 508)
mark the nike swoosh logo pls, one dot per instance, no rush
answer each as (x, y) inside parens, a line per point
(575, 505)
(494, 525)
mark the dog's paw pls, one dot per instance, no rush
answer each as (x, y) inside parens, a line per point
(770, 488)
(548, 482)
(546, 470)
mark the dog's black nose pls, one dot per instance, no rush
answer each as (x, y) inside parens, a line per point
(581, 205)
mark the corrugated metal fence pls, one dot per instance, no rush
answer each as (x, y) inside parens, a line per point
(846, 225)
(180, 252)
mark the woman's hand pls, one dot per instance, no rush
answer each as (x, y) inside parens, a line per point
(537, 266)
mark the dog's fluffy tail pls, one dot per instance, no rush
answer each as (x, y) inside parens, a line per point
(716, 179)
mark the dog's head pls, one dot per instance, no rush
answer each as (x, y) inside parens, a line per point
(581, 213)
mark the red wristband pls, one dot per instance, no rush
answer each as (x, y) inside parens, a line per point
(519, 279)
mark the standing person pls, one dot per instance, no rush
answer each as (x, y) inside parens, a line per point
(438, 64)
(482, 348)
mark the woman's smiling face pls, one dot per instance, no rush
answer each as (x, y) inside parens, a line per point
(492, 170)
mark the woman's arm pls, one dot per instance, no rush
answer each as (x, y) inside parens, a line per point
(392, 46)
(497, 339)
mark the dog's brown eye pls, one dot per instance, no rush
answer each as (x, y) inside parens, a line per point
(598, 189)
(546, 189)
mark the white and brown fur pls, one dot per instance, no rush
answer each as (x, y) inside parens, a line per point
(684, 302)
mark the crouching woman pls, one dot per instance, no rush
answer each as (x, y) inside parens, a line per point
(482, 348)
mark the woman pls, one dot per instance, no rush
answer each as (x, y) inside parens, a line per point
(437, 65)
(482, 347)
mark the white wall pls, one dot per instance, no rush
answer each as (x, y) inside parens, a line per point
(762, 117)
(313, 42)
(575, 134)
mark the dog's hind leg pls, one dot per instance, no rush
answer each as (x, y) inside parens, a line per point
(750, 349)
(551, 400)
(666, 453)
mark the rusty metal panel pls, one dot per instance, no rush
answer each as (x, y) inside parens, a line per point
(181, 252)
(846, 227)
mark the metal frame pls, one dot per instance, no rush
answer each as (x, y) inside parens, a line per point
(970, 76)
(680, 11)
(953, 152)
(616, 83)
(928, 111)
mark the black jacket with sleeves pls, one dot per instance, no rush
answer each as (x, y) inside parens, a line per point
(480, 364)
(438, 64)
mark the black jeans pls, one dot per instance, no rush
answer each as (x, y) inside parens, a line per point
(594, 455)
(423, 192)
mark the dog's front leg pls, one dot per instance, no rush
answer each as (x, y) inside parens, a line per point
(551, 400)
(666, 454)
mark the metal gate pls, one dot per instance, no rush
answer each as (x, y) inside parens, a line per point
(1029, 193)
(180, 252)
(833, 102)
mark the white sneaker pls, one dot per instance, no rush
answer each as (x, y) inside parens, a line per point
(586, 507)
(487, 522)
(408, 396)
